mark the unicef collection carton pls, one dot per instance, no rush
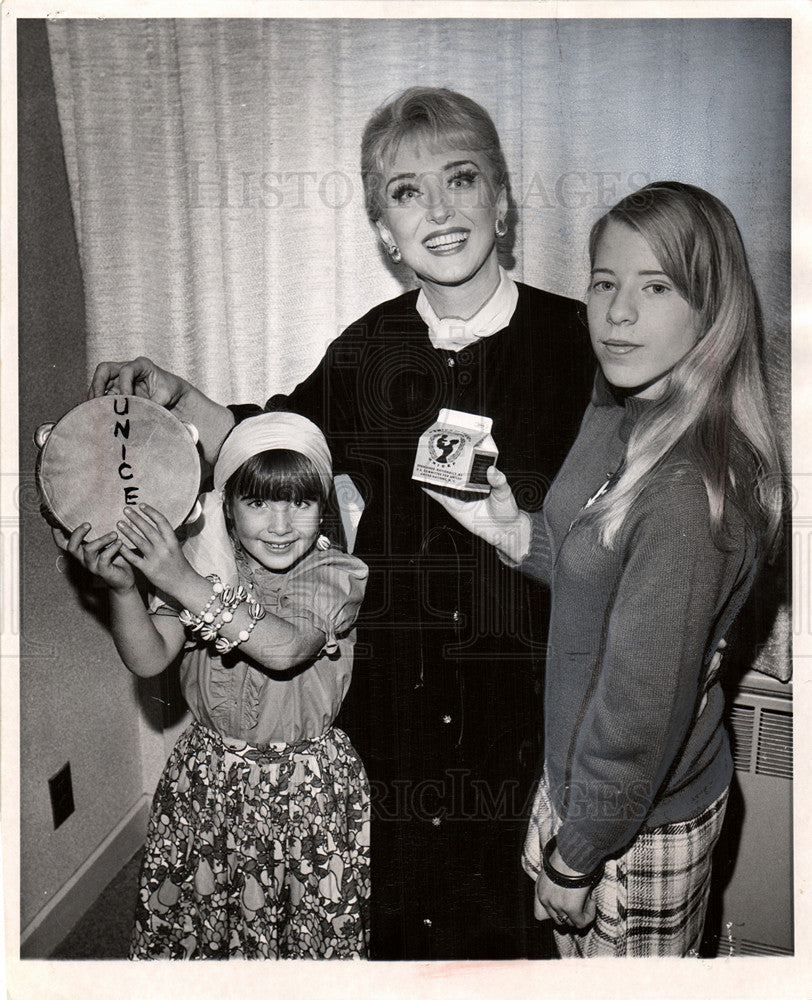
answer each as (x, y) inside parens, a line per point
(456, 452)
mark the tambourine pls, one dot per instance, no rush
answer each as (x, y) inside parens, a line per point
(114, 452)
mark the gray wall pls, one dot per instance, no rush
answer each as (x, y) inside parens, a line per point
(77, 701)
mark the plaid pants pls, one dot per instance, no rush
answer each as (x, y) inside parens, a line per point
(652, 899)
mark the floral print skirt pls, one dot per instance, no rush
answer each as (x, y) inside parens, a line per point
(256, 853)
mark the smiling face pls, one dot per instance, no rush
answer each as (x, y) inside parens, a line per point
(639, 324)
(275, 533)
(440, 209)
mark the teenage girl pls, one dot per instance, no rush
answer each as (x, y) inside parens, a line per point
(258, 844)
(649, 539)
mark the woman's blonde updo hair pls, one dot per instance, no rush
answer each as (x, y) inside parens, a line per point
(437, 116)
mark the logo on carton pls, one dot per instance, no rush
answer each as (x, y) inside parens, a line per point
(447, 448)
(456, 452)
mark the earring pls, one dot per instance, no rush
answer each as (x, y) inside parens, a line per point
(394, 253)
(500, 228)
(322, 543)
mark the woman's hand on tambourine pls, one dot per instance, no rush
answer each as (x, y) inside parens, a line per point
(140, 377)
(99, 557)
(158, 553)
(210, 422)
(496, 519)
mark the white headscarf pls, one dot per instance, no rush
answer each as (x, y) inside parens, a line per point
(209, 548)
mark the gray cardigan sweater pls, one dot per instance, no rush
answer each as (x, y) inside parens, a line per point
(630, 741)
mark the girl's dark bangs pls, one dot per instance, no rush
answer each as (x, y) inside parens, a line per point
(277, 475)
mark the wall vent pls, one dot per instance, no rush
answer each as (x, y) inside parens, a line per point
(762, 740)
(774, 755)
(757, 948)
(742, 721)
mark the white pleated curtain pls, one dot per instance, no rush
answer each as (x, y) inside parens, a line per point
(214, 173)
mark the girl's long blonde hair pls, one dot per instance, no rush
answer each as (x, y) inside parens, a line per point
(715, 403)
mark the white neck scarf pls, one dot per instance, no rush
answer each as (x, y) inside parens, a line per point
(454, 334)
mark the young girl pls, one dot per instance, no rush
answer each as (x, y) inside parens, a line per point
(649, 539)
(258, 845)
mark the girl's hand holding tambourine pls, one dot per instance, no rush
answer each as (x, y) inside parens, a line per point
(156, 553)
(101, 556)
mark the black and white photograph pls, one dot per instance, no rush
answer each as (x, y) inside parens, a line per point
(404, 556)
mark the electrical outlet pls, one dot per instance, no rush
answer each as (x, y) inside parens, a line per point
(61, 789)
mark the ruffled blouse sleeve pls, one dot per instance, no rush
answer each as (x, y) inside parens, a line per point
(159, 603)
(326, 589)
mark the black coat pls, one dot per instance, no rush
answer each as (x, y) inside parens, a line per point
(445, 702)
